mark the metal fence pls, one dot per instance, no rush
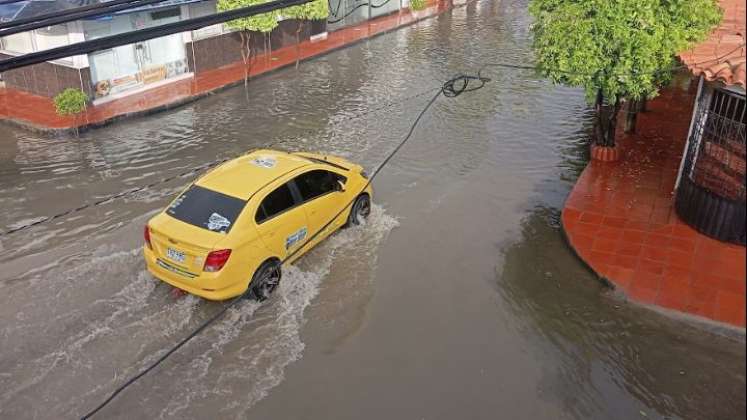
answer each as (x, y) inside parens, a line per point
(716, 156)
(711, 192)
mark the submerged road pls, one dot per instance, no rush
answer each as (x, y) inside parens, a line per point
(458, 300)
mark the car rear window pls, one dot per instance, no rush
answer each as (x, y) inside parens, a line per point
(207, 209)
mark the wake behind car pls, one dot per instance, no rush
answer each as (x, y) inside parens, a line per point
(230, 229)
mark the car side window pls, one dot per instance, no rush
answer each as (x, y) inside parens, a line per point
(314, 183)
(276, 202)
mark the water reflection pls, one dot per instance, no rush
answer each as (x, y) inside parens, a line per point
(607, 358)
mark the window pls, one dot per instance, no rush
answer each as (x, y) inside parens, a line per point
(207, 209)
(275, 203)
(18, 43)
(165, 14)
(719, 148)
(315, 183)
(205, 8)
(51, 37)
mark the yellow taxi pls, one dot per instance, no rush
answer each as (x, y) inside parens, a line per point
(229, 230)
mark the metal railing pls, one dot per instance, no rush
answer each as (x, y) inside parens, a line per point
(716, 154)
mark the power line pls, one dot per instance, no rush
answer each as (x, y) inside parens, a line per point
(217, 162)
(129, 192)
(71, 15)
(450, 89)
(134, 190)
(127, 38)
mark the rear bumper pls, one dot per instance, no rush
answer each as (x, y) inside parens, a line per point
(191, 282)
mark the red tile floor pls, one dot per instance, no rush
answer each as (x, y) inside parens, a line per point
(619, 218)
(38, 111)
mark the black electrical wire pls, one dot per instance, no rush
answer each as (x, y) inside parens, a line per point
(337, 10)
(71, 15)
(2, 2)
(450, 89)
(350, 12)
(131, 191)
(112, 41)
(211, 164)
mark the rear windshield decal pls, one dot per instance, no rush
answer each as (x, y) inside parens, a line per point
(206, 209)
(218, 223)
(295, 238)
(264, 161)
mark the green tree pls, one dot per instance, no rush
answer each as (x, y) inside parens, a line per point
(315, 10)
(70, 101)
(616, 49)
(263, 23)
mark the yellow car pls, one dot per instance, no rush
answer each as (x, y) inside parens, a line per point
(229, 230)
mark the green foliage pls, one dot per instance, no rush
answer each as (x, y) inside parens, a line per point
(70, 102)
(417, 4)
(315, 10)
(264, 22)
(626, 48)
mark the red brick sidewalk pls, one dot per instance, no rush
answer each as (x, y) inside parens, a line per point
(619, 218)
(38, 111)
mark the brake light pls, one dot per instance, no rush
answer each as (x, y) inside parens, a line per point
(216, 260)
(146, 234)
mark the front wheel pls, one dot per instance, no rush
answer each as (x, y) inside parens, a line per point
(360, 211)
(264, 281)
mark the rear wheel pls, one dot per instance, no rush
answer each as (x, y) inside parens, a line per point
(265, 280)
(360, 211)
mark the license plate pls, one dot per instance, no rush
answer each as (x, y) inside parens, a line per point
(175, 255)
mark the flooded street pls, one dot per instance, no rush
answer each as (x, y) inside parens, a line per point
(458, 299)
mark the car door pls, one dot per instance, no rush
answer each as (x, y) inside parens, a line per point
(323, 197)
(281, 222)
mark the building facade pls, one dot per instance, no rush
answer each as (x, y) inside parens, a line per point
(710, 189)
(110, 74)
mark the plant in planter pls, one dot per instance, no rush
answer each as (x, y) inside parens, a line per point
(315, 10)
(263, 23)
(417, 5)
(70, 101)
(622, 50)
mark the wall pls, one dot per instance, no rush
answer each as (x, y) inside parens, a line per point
(47, 79)
(222, 50)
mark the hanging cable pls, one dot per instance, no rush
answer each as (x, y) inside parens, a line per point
(450, 89)
(71, 15)
(131, 37)
(121, 194)
(217, 162)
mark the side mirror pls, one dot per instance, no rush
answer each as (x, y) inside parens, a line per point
(339, 186)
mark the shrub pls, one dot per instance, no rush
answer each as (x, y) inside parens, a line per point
(70, 102)
(417, 4)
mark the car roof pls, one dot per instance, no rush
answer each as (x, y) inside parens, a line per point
(245, 175)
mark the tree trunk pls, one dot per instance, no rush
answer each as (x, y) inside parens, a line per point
(642, 105)
(599, 119)
(298, 42)
(631, 116)
(246, 54)
(612, 111)
(266, 48)
(269, 48)
(606, 121)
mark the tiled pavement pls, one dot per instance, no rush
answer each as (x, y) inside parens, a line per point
(39, 111)
(619, 218)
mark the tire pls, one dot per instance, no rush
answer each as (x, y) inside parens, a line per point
(360, 211)
(265, 280)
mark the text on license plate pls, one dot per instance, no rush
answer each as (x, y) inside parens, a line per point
(175, 255)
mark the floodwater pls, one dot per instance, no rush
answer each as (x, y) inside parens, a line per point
(458, 300)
